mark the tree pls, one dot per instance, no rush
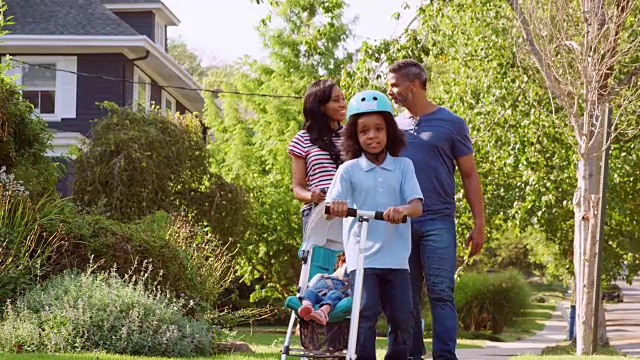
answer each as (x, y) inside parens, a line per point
(585, 52)
(477, 68)
(252, 132)
(188, 59)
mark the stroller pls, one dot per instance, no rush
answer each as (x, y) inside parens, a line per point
(322, 241)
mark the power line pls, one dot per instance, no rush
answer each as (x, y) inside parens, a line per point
(110, 78)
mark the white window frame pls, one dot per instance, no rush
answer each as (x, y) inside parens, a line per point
(141, 77)
(161, 34)
(66, 83)
(64, 142)
(172, 100)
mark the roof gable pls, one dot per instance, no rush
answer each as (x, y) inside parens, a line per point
(65, 17)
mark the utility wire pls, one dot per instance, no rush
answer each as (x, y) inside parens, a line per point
(110, 78)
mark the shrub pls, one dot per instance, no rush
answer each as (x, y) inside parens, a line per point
(77, 312)
(491, 301)
(529, 252)
(24, 139)
(187, 260)
(190, 261)
(138, 163)
(26, 247)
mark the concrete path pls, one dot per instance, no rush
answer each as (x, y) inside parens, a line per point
(623, 320)
(623, 330)
(554, 332)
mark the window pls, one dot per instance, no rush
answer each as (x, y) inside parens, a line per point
(141, 89)
(161, 34)
(39, 82)
(49, 83)
(168, 104)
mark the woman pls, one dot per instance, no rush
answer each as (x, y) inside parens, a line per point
(315, 150)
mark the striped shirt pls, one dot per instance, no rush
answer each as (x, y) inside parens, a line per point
(320, 167)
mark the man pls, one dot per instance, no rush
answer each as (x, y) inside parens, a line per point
(437, 141)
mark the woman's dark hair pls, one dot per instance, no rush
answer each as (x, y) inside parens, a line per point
(316, 121)
(351, 145)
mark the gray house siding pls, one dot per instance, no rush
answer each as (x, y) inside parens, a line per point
(181, 108)
(64, 186)
(91, 90)
(144, 22)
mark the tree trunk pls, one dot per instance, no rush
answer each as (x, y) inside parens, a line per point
(587, 221)
(603, 339)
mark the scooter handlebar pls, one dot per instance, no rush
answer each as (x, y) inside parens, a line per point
(353, 212)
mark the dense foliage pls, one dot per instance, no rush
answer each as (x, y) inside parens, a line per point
(473, 52)
(490, 302)
(138, 163)
(80, 312)
(185, 259)
(24, 139)
(306, 39)
(26, 246)
(523, 146)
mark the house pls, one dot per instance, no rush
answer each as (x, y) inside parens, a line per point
(74, 54)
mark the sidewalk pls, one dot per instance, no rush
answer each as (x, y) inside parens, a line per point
(555, 331)
(623, 320)
(623, 330)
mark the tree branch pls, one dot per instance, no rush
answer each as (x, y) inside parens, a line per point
(550, 78)
(612, 51)
(626, 81)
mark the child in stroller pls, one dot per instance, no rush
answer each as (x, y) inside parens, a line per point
(326, 290)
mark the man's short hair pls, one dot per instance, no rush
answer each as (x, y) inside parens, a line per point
(411, 70)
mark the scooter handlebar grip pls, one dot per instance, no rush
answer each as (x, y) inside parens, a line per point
(380, 216)
(351, 212)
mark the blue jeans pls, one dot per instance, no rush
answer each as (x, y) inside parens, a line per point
(324, 294)
(388, 290)
(433, 258)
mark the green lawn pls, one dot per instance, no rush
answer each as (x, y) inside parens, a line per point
(266, 341)
(567, 351)
(87, 356)
(567, 348)
(569, 357)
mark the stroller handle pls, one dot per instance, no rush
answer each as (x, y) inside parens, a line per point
(352, 212)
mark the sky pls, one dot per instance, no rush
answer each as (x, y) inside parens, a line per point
(221, 31)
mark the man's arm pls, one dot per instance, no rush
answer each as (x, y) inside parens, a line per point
(473, 194)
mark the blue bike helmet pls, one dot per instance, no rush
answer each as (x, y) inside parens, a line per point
(369, 101)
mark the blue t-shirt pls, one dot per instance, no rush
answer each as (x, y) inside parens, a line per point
(433, 145)
(367, 186)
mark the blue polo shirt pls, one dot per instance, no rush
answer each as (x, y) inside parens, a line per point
(367, 186)
(437, 139)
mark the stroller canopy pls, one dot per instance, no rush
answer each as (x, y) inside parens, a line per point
(322, 232)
